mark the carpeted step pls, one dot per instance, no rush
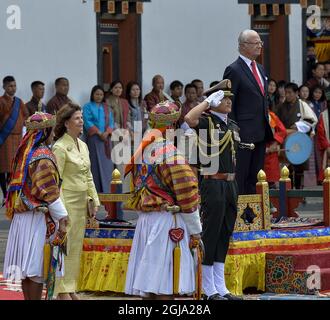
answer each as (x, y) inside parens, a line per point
(301, 272)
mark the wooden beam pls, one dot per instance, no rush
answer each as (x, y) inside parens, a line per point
(263, 10)
(111, 7)
(287, 9)
(139, 7)
(319, 3)
(276, 10)
(124, 7)
(251, 9)
(97, 6)
(303, 3)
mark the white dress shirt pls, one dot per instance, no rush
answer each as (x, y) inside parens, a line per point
(222, 116)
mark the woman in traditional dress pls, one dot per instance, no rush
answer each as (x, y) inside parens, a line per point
(77, 189)
(123, 133)
(137, 105)
(34, 205)
(119, 106)
(98, 126)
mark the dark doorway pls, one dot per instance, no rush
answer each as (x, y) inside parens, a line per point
(119, 56)
(108, 53)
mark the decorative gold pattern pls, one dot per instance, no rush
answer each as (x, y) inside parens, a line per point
(285, 174)
(164, 118)
(327, 175)
(265, 206)
(247, 198)
(259, 203)
(47, 123)
(240, 225)
(226, 139)
(106, 197)
(261, 176)
(116, 177)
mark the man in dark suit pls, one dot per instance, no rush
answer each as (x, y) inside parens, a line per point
(250, 109)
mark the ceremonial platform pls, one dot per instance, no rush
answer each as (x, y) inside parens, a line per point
(261, 255)
(106, 252)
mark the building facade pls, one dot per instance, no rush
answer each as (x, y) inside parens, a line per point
(98, 41)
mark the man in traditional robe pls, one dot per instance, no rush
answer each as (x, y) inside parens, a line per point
(38, 90)
(13, 113)
(296, 115)
(61, 96)
(156, 95)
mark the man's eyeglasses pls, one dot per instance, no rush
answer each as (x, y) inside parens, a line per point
(261, 43)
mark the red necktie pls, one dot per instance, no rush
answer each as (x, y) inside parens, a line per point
(256, 76)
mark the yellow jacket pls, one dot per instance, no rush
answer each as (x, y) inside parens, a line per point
(74, 166)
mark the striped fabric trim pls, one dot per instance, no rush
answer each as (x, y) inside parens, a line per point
(281, 234)
(275, 248)
(109, 233)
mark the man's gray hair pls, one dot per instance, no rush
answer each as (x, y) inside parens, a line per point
(244, 35)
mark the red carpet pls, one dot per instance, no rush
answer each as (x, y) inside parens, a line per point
(10, 291)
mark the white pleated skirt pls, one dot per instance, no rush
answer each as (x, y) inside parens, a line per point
(24, 256)
(150, 266)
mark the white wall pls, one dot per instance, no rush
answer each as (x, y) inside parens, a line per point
(58, 38)
(295, 39)
(188, 39)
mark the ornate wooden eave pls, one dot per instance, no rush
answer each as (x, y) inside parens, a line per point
(276, 7)
(119, 6)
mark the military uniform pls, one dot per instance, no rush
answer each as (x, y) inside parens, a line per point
(218, 140)
(219, 191)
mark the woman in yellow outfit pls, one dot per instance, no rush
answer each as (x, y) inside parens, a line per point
(77, 189)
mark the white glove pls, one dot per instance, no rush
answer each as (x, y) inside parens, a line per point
(215, 98)
(57, 209)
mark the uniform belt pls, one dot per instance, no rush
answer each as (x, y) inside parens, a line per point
(221, 176)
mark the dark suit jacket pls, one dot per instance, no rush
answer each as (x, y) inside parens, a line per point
(250, 107)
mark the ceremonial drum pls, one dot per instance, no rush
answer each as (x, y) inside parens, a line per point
(298, 148)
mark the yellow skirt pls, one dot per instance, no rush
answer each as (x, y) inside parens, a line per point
(76, 205)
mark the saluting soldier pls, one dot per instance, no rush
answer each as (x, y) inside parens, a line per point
(219, 191)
